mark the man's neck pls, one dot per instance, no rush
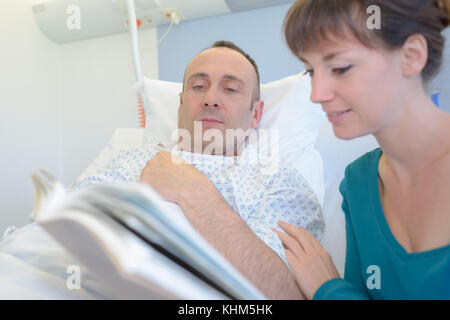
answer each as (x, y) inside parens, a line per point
(234, 151)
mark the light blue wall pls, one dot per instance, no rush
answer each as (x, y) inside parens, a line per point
(259, 32)
(441, 83)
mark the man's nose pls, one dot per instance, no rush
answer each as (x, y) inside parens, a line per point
(321, 89)
(211, 99)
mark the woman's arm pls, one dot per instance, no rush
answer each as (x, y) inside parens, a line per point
(352, 288)
(314, 271)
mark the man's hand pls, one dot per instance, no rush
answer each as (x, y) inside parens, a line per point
(171, 177)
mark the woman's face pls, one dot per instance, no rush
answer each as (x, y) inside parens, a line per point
(358, 87)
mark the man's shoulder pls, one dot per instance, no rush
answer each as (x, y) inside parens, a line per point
(291, 173)
(278, 174)
(145, 150)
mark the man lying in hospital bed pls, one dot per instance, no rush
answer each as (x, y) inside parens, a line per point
(286, 193)
(221, 93)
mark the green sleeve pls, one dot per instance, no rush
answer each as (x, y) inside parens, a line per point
(352, 288)
(339, 289)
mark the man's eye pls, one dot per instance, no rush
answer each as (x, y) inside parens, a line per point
(341, 71)
(198, 87)
(231, 89)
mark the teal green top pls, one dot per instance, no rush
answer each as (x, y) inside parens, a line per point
(377, 266)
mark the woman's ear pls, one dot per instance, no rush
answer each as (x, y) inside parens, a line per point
(414, 55)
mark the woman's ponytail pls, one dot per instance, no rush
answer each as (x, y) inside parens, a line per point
(444, 6)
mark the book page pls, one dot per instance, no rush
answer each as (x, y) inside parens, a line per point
(156, 214)
(128, 265)
(137, 210)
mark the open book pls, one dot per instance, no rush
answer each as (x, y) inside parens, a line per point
(140, 245)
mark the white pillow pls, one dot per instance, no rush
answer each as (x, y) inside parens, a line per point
(287, 107)
(122, 138)
(337, 154)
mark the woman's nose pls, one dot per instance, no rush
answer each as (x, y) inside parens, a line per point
(321, 89)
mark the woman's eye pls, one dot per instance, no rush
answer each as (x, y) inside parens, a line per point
(310, 72)
(341, 71)
(231, 89)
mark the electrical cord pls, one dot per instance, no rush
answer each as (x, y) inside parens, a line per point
(126, 26)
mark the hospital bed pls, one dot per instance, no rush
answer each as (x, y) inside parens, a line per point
(34, 266)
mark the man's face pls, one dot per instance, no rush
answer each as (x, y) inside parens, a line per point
(218, 93)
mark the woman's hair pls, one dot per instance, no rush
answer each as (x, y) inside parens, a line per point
(309, 22)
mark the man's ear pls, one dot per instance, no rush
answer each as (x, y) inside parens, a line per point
(181, 101)
(414, 55)
(257, 110)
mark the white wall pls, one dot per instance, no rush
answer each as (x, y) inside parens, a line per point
(58, 103)
(97, 95)
(30, 96)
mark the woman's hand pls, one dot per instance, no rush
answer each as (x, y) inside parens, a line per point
(311, 265)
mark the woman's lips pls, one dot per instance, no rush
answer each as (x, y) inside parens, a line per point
(338, 116)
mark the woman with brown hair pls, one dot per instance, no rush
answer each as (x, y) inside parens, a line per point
(371, 79)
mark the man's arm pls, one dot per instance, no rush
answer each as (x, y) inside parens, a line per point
(210, 214)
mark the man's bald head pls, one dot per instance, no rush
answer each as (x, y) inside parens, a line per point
(230, 45)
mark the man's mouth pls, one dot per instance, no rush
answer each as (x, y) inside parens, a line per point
(210, 121)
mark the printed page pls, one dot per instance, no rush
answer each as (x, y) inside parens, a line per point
(141, 210)
(126, 263)
(151, 210)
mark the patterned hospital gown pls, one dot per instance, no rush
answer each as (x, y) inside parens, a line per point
(256, 190)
